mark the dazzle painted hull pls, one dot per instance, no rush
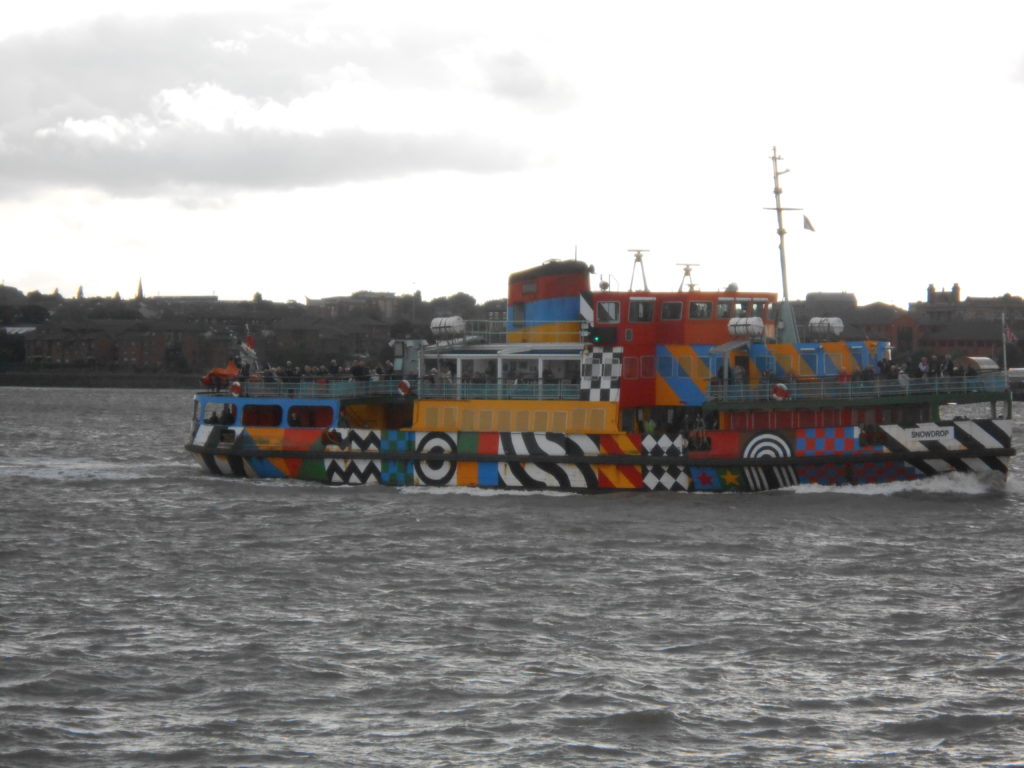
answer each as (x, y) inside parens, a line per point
(715, 460)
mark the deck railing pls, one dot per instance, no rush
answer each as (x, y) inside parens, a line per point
(509, 389)
(500, 390)
(832, 389)
(445, 390)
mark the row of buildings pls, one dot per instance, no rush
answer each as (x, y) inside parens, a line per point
(196, 333)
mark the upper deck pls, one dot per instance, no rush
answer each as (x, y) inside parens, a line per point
(723, 396)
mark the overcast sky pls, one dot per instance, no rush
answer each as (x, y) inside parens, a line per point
(313, 149)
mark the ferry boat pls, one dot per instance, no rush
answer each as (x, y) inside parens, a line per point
(584, 390)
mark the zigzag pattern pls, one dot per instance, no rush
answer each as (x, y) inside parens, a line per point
(352, 472)
(359, 440)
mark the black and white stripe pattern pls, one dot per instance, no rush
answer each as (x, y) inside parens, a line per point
(542, 474)
(951, 442)
(769, 445)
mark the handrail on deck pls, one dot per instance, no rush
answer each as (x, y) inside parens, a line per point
(832, 389)
(506, 389)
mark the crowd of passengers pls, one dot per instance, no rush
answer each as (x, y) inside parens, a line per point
(932, 367)
(290, 373)
(925, 368)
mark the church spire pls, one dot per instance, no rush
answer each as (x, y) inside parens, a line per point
(138, 294)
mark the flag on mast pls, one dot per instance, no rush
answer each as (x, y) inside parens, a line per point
(248, 349)
(808, 225)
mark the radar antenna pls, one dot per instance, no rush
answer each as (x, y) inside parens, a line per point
(687, 275)
(638, 258)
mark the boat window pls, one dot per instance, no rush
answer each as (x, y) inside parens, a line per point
(742, 308)
(261, 415)
(641, 310)
(607, 311)
(310, 416)
(219, 413)
(647, 367)
(722, 310)
(672, 310)
(530, 286)
(630, 368)
(760, 307)
(700, 310)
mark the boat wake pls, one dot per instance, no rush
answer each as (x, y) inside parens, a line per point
(950, 483)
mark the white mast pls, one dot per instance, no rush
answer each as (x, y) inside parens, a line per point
(789, 333)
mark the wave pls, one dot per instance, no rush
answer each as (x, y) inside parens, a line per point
(952, 482)
(77, 468)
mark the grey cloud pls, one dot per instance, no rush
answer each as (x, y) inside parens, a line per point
(236, 160)
(115, 67)
(515, 76)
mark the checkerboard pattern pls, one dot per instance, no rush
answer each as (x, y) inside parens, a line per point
(662, 445)
(659, 478)
(826, 441)
(601, 375)
(822, 474)
(395, 471)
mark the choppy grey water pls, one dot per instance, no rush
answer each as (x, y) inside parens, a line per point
(153, 615)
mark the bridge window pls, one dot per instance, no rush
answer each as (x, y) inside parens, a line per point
(641, 310)
(530, 286)
(607, 311)
(700, 310)
(672, 310)
(723, 309)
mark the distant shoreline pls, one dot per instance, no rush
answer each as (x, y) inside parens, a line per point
(55, 377)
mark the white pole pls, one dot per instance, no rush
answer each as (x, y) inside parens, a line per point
(1002, 332)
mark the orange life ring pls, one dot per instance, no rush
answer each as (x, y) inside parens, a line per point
(404, 387)
(236, 388)
(780, 391)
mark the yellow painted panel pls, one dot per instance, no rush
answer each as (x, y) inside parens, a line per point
(550, 332)
(486, 420)
(466, 473)
(518, 415)
(523, 421)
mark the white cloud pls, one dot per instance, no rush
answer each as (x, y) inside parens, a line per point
(143, 106)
